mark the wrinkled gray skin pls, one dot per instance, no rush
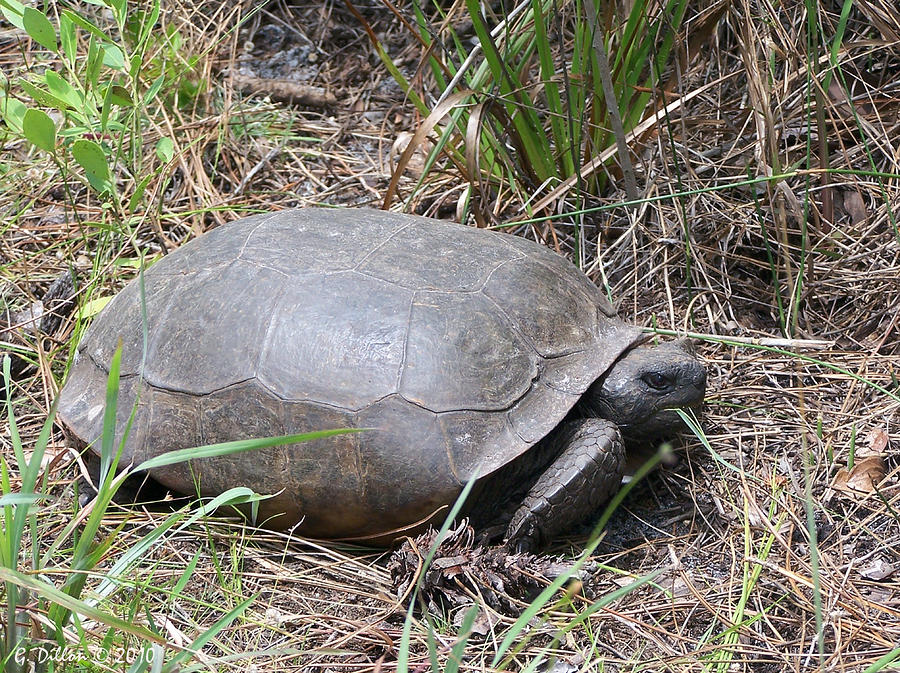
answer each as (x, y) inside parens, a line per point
(580, 465)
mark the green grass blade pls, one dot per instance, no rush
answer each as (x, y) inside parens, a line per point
(403, 649)
(214, 630)
(538, 157)
(516, 630)
(236, 446)
(72, 604)
(555, 108)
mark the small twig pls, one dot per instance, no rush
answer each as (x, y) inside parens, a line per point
(253, 171)
(284, 90)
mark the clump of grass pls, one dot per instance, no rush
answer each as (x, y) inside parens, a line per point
(28, 638)
(544, 99)
(42, 617)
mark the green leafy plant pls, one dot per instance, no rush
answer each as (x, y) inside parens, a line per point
(90, 113)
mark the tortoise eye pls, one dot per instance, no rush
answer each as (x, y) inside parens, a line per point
(657, 381)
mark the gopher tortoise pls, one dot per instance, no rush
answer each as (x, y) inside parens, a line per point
(463, 352)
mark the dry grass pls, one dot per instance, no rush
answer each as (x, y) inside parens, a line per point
(778, 549)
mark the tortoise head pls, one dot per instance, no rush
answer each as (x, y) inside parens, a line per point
(641, 390)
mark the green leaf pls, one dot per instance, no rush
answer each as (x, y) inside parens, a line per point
(63, 90)
(24, 499)
(95, 56)
(139, 190)
(79, 20)
(136, 263)
(67, 37)
(186, 574)
(39, 28)
(154, 88)
(109, 457)
(137, 62)
(39, 129)
(12, 112)
(93, 307)
(239, 495)
(165, 149)
(13, 10)
(115, 95)
(113, 57)
(120, 96)
(42, 96)
(91, 158)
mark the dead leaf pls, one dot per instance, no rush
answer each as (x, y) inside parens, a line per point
(878, 570)
(416, 163)
(484, 622)
(836, 93)
(877, 441)
(863, 478)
